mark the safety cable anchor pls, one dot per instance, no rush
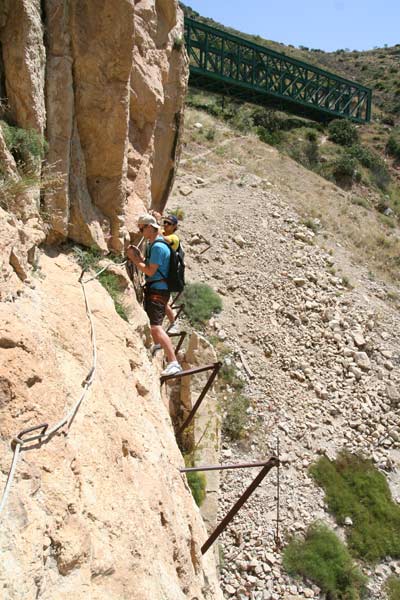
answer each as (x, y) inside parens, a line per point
(18, 439)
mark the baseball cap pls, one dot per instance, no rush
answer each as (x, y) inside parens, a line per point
(148, 220)
(171, 219)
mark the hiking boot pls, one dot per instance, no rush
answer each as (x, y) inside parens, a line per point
(172, 368)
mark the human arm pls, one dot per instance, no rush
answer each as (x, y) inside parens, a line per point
(148, 270)
(138, 260)
(134, 255)
(149, 266)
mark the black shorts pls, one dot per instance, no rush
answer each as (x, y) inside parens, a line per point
(154, 304)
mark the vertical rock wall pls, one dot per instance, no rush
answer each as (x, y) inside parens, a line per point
(104, 81)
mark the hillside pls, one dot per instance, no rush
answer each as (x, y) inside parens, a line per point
(306, 326)
(368, 159)
(378, 68)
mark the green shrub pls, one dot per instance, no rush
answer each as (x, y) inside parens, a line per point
(311, 152)
(201, 302)
(325, 560)
(197, 484)
(344, 168)
(110, 282)
(388, 221)
(392, 587)
(24, 144)
(267, 119)
(229, 376)
(364, 155)
(372, 161)
(312, 224)
(342, 132)
(235, 416)
(380, 174)
(87, 258)
(355, 488)
(196, 480)
(360, 201)
(311, 136)
(393, 146)
(273, 138)
(210, 134)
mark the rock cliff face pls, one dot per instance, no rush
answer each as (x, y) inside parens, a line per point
(105, 82)
(102, 512)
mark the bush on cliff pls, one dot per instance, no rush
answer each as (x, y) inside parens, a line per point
(342, 132)
(325, 560)
(201, 302)
(355, 488)
(24, 144)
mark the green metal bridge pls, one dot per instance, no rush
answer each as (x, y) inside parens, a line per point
(224, 63)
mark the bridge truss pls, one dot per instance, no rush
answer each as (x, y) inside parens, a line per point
(224, 63)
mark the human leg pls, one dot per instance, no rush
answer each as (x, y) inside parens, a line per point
(160, 337)
(170, 314)
(155, 305)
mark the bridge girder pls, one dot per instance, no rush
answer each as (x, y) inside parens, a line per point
(228, 64)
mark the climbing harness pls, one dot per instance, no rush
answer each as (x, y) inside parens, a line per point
(45, 434)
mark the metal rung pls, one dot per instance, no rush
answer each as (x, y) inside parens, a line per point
(187, 372)
(267, 466)
(215, 367)
(182, 335)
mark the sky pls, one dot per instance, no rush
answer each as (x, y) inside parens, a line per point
(324, 24)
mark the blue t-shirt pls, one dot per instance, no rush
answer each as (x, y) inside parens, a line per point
(158, 254)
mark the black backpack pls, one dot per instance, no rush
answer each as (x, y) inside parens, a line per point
(176, 275)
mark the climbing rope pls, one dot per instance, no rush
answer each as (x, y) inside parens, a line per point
(19, 441)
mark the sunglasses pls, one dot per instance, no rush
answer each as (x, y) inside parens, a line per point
(167, 223)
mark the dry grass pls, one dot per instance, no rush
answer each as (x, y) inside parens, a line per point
(12, 188)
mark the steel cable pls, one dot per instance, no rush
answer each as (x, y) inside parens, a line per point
(18, 442)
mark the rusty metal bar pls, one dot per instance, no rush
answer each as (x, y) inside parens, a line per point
(187, 372)
(215, 368)
(223, 467)
(181, 335)
(272, 462)
(178, 312)
(205, 249)
(278, 542)
(173, 303)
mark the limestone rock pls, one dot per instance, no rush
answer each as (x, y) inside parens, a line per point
(107, 84)
(103, 510)
(362, 360)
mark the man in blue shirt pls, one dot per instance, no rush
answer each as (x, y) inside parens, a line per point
(155, 266)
